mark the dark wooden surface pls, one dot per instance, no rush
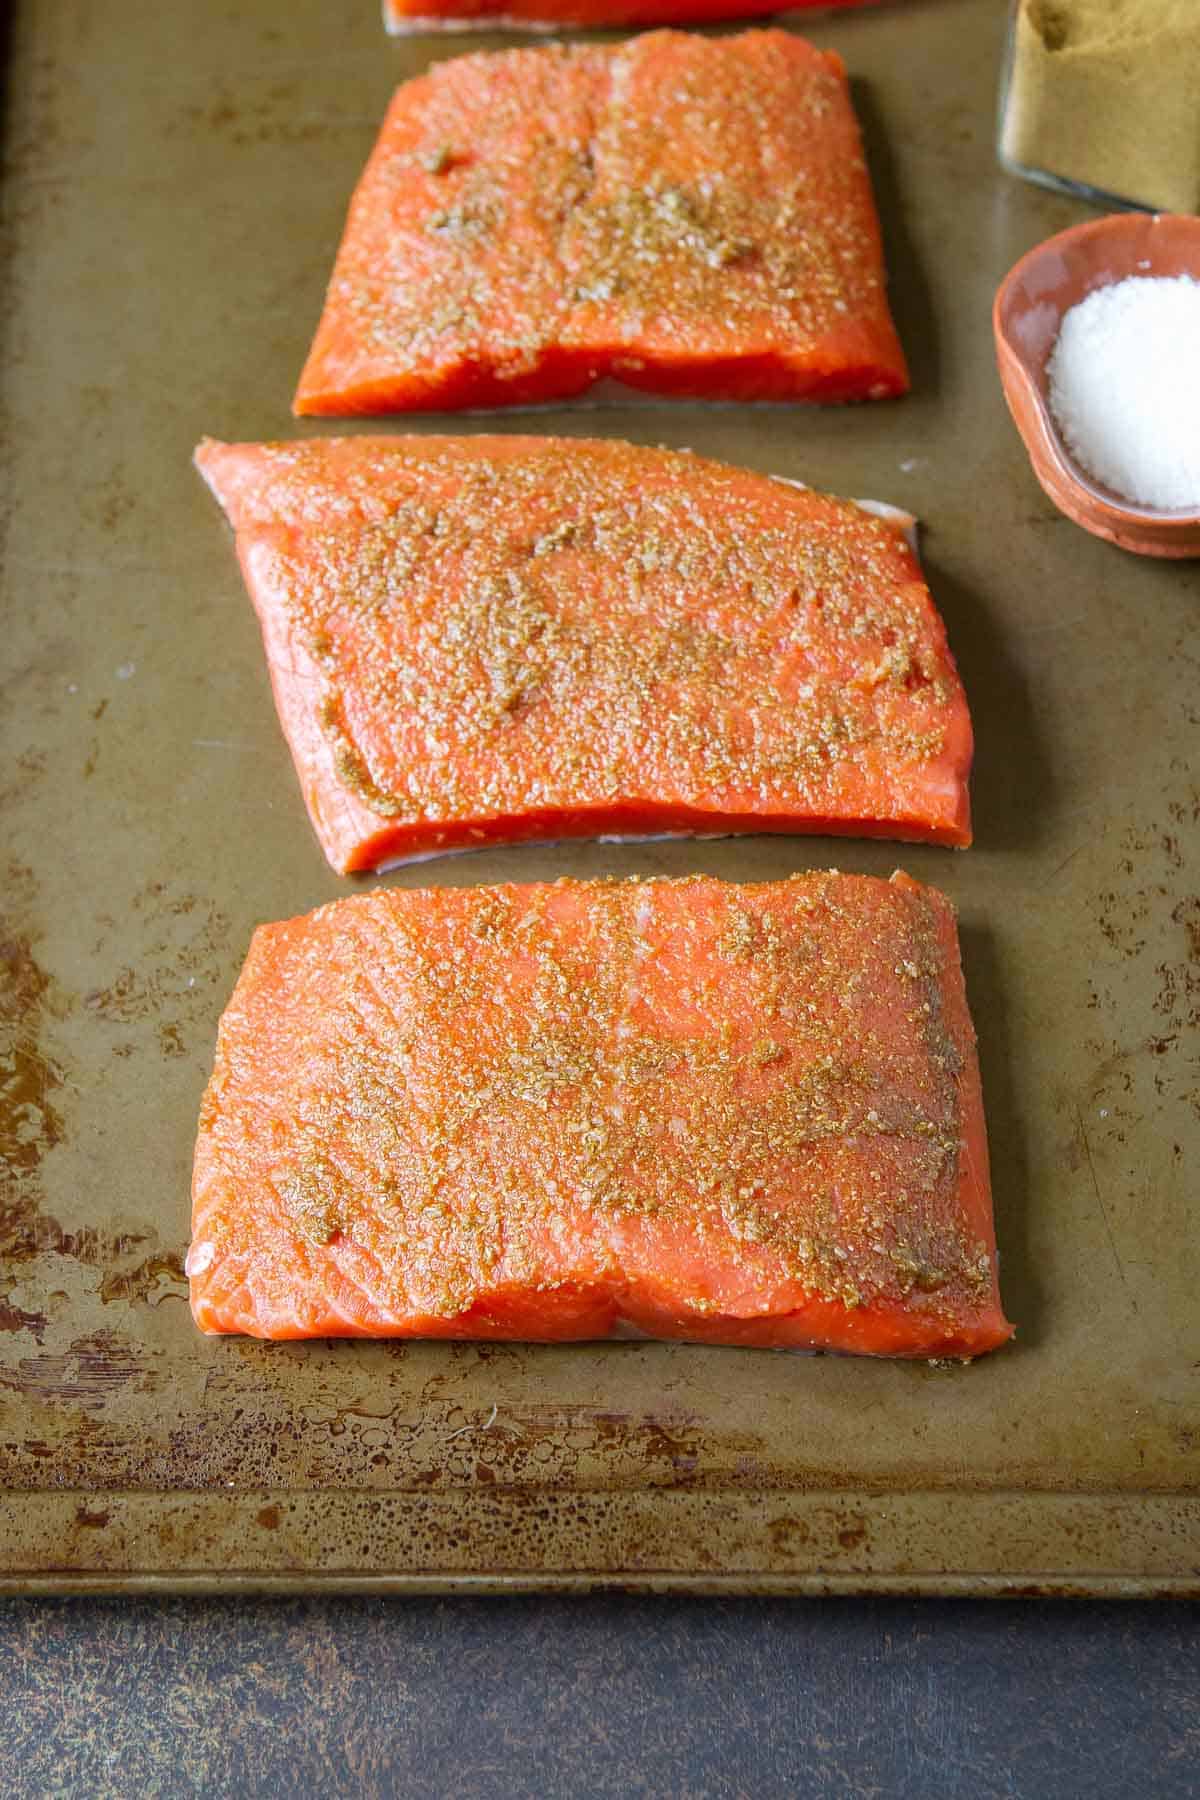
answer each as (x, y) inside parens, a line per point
(608, 1696)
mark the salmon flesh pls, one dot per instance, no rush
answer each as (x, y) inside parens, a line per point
(686, 1109)
(489, 639)
(401, 17)
(684, 214)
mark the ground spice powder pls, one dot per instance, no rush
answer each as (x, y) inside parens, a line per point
(1105, 94)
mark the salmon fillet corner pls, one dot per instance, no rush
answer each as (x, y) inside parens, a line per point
(686, 1109)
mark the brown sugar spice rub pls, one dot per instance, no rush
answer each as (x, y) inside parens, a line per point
(730, 1114)
(684, 214)
(491, 639)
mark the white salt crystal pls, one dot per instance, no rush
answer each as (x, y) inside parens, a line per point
(1125, 388)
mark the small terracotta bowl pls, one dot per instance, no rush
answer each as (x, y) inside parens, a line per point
(1030, 303)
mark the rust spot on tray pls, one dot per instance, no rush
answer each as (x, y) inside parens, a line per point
(183, 953)
(268, 1518)
(15, 1318)
(30, 1126)
(1143, 917)
(30, 1122)
(1177, 1001)
(142, 1282)
(87, 1375)
(125, 998)
(786, 1534)
(272, 119)
(94, 1521)
(521, 1444)
(38, 1234)
(31, 765)
(111, 502)
(1187, 914)
(1120, 917)
(31, 1081)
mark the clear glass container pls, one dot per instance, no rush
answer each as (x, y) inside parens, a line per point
(1100, 99)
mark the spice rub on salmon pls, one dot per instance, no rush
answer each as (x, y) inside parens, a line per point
(492, 639)
(403, 16)
(691, 1109)
(683, 214)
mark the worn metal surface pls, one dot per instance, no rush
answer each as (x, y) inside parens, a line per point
(174, 195)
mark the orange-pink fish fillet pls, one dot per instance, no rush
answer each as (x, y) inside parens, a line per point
(490, 639)
(691, 1109)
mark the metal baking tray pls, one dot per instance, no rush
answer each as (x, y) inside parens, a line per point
(174, 193)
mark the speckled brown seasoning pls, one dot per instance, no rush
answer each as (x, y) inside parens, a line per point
(492, 638)
(685, 214)
(733, 1114)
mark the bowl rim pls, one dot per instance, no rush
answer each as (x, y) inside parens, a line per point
(1051, 443)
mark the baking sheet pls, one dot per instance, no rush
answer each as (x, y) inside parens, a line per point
(173, 198)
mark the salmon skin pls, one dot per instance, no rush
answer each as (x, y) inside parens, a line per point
(683, 214)
(686, 1109)
(403, 16)
(492, 639)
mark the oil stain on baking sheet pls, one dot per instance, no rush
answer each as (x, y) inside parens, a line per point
(30, 1083)
(183, 943)
(33, 1088)
(31, 1120)
(87, 1374)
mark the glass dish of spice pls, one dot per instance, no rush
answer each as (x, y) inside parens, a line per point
(1101, 98)
(1098, 343)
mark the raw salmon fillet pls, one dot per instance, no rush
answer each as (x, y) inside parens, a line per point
(492, 639)
(402, 16)
(686, 214)
(688, 1109)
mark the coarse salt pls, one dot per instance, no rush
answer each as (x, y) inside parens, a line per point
(1124, 380)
